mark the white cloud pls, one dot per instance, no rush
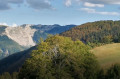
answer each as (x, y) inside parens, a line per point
(4, 24)
(87, 4)
(93, 3)
(68, 3)
(14, 25)
(108, 13)
(89, 10)
(101, 1)
(46, 4)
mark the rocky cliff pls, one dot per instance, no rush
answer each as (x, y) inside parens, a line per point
(21, 35)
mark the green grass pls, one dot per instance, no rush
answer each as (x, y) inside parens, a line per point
(107, 55)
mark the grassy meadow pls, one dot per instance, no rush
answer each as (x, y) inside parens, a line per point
(108, 55)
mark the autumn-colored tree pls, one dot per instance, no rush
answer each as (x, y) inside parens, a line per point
(107, 39)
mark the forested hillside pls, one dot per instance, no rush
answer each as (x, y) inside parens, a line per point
(96, 32)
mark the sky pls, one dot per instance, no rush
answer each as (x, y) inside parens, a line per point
(63, 12)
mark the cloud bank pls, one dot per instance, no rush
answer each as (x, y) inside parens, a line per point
(46, 4)
(87, 4)
(89, 10)
(40, 4)
(68, 3)
(96, 1)
(35, 4)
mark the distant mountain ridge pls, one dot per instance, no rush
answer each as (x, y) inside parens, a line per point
(15, 39)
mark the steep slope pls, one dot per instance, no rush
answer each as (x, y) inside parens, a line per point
(8, 46)
(2, 28)
(59, 29)
(95, 31)
(44, 30)
(14, 62)
(21, 35)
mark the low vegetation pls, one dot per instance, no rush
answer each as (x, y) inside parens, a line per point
(108, 54)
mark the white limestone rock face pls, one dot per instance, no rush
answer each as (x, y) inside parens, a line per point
(21, 35)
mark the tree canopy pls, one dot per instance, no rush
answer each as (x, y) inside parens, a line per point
(60, 58)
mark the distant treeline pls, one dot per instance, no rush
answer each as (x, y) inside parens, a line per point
(96, 32)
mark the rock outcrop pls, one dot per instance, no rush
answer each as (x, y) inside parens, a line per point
(21, 35)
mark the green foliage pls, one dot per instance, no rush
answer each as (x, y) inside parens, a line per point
(60, 58)
(92, 45)
(101, 74)
(113, 72)
(38, 35)
(6, 75)
(15, 75)
(107, 39)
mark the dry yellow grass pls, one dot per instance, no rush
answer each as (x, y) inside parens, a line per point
(107, 55)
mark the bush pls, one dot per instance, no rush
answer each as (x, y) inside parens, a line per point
(113, 72)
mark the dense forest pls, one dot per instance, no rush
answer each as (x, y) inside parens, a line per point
(96, 32)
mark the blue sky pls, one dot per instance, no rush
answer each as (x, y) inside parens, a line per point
(61, 12)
